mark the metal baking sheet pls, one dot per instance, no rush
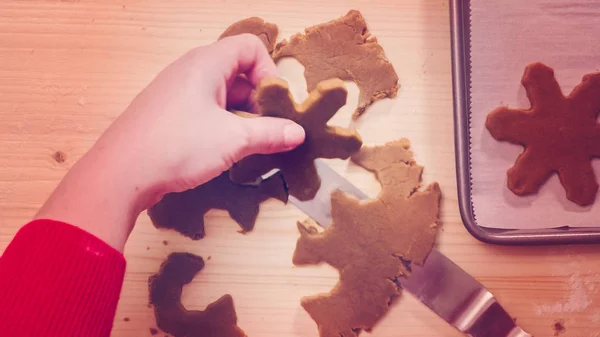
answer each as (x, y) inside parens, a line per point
(461, 64)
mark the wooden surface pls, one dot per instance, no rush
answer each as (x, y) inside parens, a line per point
(67, 69)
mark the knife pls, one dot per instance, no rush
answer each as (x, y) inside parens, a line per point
(440, 284)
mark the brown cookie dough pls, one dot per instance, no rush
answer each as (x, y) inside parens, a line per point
(273, 98)
(343, 48)
(218, 320)
(184, 212)
(559, 135)
(266, 31)
(368, 242)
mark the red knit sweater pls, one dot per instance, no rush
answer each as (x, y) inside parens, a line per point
(58, 280)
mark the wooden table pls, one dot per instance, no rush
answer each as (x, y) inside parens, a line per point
(67, 69)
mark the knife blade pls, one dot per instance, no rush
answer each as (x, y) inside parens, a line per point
(439, 283)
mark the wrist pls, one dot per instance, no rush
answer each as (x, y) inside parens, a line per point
(99, 196)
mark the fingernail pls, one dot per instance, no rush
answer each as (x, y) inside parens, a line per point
(293, 135)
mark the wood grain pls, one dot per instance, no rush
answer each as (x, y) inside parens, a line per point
(67, 69)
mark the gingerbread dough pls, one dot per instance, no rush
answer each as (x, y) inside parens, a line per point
(370, 242)
(266, 31)
(218, 320)
(184, 212)
(273, 98)
(559, 135)
(343, 48)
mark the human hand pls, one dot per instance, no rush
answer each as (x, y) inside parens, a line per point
(178, 127)
(174, 136)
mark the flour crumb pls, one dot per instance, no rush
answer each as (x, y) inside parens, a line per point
(81, 101)
(578, 298)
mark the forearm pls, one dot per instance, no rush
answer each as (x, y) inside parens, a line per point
(100, 195)
(62, 273)
(58, 279)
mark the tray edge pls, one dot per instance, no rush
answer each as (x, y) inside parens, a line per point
(460, 52)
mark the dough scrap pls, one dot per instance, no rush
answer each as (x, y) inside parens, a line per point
(184, 211)
(273, 98)
(266, 31)
(559, 135)
(217, 320)
(343, 48)
(370, 242)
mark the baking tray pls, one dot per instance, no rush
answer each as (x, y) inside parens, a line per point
(461, 70)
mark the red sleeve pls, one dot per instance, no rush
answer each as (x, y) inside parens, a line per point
(58, 280)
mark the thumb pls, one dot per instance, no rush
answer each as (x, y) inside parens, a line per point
(267, 135)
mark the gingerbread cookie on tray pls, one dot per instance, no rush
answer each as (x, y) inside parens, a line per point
(560, 134)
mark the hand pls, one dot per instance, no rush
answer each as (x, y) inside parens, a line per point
(174, 136)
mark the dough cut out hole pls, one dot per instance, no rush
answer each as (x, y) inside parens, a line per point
(522, 100)
(364, 179)
(343, 117)
(378, 111)
(195, 296)
(293, 72)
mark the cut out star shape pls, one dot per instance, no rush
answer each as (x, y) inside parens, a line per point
(217, 320)
(184, 211)
(273, 99)
(369, 242)
(559, 135)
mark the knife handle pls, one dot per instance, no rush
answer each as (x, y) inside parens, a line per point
(485, 317)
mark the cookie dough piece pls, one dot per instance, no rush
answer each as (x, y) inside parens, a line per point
(559, 135)
(343, 48)
(184, 212)
(218, 320)
(266, 31)
(273, 98)
(369, 240)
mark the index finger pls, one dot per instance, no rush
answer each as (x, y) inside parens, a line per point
(243, 54)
